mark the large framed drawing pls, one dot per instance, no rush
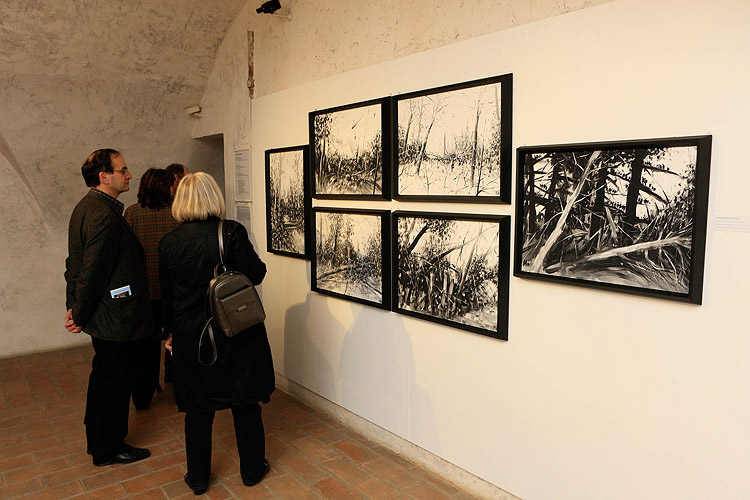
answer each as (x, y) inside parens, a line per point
(352, 255)
(454, 142)
(288, 201)
(453, 269)
(350, 147)
(628, 216)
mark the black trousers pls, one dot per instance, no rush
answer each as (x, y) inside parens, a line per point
(146, 377)
(251, 442)
(108, 395)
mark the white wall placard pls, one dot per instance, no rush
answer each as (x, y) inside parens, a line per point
(242, 213)
(736, 223)
(242, 174)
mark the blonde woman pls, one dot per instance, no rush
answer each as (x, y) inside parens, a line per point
(243, 374)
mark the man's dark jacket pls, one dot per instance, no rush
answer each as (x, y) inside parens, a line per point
(104, 254)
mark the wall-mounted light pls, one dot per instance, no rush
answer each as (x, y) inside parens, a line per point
(193, 111)
(271, 7)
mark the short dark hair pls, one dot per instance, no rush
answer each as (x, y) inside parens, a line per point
(177, 170)
(98, 161)
(155, 190)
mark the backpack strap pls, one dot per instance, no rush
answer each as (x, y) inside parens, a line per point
(221, 244)
(208, 327)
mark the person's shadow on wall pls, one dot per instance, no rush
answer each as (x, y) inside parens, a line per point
(305, 327)
(377, 374)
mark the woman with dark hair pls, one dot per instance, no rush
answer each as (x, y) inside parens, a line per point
(242, 375)
(151, 218)
(178, 170)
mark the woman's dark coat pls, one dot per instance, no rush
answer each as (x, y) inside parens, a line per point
(243, 373)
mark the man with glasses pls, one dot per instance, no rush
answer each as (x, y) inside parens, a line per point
(107, 298)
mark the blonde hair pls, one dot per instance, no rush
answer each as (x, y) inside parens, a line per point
(197, 198)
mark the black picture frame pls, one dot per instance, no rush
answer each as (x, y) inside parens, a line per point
(581, 220)
(351, 144)
(444, 269)
(288, 227)
(345, 262)
(451, 173)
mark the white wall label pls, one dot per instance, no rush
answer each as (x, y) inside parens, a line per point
(242, 215)
(737, 223)
(242, 174)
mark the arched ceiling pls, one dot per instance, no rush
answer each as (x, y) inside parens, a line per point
(81, 74)
(131, 39)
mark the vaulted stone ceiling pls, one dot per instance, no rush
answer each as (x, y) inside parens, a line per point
(76, 75)
(132, 39)
(81, 74)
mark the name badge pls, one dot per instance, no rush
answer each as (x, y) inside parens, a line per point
(121, 293)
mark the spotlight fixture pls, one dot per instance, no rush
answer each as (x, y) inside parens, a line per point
(193, 111)
(269, 7)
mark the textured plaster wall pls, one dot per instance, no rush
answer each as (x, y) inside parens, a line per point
(77, 75)
(327, 37)
(226, 102)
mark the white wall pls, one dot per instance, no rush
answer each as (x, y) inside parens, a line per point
(596, 394)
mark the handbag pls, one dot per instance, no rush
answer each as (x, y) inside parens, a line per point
(233, 302)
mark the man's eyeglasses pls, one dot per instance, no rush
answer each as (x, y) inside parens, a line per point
(123, 171)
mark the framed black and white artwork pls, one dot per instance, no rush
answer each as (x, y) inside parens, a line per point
(453, 269)
(628, 216)
(350, 147)
(288, 201)
(453, 143)
(352, 255)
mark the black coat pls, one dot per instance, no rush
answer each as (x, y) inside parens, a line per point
(243, 373)
(104, 254)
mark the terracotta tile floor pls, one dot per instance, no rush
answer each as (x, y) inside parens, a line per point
(43, 447)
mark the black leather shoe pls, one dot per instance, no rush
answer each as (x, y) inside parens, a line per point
(197, 489)
(126, 455)
(252, 481)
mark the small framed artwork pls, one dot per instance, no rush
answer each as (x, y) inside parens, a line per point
(287, 201)
(628, 216)
(350, 147)
(453, 143)
(453, 269)
(352, 255)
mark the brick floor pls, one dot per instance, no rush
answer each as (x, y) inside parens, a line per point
(42, 447)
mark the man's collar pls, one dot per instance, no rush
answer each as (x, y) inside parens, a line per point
(114, 202)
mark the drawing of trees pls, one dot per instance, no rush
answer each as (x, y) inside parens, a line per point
(286, 201)
(448, 269)
(449, 143)
(618, 216)
(349, 254)
(348, 151)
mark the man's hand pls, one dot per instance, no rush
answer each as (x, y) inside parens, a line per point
(168, 343)
(70, 325)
